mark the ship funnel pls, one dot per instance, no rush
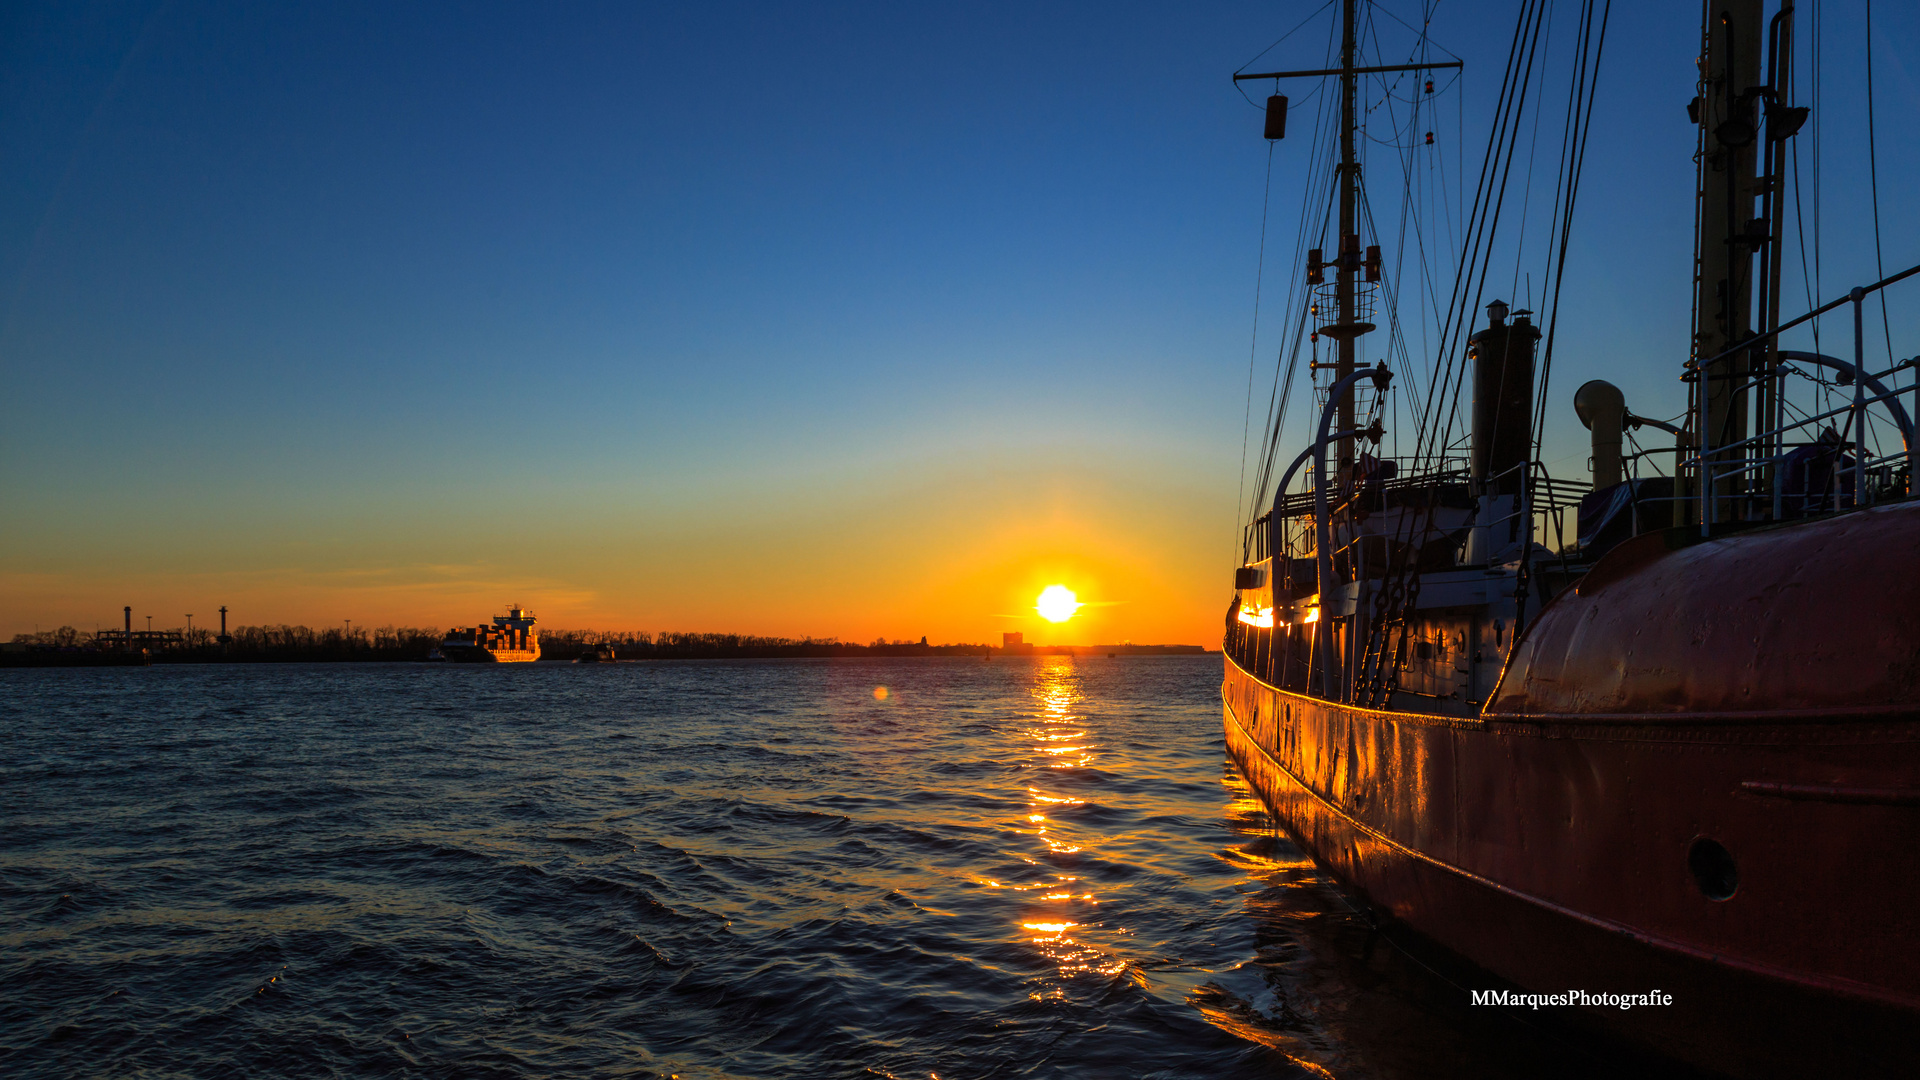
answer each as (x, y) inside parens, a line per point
(1502, 357)
(1603, 409)
(1502, 400)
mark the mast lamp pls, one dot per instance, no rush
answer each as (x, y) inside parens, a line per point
(1783, 121)
(1316, 268)
(1276, 117)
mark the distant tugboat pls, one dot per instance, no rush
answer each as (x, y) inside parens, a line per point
(511, 639)
(597, 654)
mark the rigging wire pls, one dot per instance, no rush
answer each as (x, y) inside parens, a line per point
(1420, 30)
(1585, 87)
(1300, 303)
(1533, 150)
(1471, 224)
(1253, 346)
(1873, 174)
(1321, 190)
(1397, 347)
(1816, 42)
(1499, 204)
(1482, 226)
(1276, 44)
(1426, 180)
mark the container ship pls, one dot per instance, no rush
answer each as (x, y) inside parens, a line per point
(1653, 734)
(511, 639)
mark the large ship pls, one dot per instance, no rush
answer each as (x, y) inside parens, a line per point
(511, 639)
(1653, 735)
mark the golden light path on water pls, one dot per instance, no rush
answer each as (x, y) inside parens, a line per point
(1034, 866)
(1062, 741)
(1062, 916)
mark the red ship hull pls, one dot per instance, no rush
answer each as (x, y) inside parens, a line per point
(1759, 866)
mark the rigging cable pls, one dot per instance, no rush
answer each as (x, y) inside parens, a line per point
(1816, 49)
(1526, 189)
(1397, 347)
(1281, 395)
(1253, 347)
(1499, 203)
(1873, 174)
(1276, 44)
(1472, 225)
(1573, 156)
(1482, 225)
(1586, 87)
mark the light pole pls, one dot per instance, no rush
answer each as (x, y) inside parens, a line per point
(189, 626)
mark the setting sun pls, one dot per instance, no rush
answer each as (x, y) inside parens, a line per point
(1057, 603)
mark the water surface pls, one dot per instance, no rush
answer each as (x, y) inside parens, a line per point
(946, 868)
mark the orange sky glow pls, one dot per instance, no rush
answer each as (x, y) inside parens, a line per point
(954, 555)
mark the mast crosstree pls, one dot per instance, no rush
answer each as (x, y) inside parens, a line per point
(1349, 261)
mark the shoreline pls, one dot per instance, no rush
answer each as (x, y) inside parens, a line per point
(569, 655)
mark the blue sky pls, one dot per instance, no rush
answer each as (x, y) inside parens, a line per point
(852, 320)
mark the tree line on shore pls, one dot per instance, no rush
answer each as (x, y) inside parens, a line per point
(283, 643)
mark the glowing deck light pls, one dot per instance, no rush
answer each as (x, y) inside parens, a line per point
(1262, 617)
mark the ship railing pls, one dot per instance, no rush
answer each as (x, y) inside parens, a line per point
(1409, 473)
(1543, 503)
(1765, 453)
(1548, 501)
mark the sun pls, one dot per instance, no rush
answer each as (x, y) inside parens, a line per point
(1057, 603)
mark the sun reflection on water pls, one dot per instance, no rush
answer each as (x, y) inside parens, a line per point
(1061, 740)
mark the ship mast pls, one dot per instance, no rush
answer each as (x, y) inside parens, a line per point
(1349, 260)
(1347, 329)
(1729, 236)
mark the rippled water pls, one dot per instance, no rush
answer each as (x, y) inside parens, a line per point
(907, 868)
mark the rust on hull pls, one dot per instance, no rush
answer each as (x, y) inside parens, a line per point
(1659, 731)
(1557, 856)
(1810, 618)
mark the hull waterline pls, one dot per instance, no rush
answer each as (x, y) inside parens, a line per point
(1559, 860)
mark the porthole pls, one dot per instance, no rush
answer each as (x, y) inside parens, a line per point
(1713, 869)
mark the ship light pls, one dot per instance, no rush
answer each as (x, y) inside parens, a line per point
(1313, 615)
(1263, 617)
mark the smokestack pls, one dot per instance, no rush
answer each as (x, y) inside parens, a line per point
(1502, 400)
(128, 611)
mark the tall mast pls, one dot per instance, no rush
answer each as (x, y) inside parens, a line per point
(1773, 191)
(1349, 236)
(1728, 237)
(1349, 258)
